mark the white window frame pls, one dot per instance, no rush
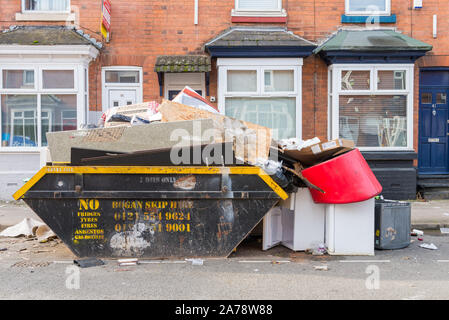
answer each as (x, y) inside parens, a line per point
(45, 11)
(334, 107)
(257, 12)
(195, 80)
(38, 91)
(387, 12)
(124, 86)
(23, 120)
(261, 64)
(19, 67)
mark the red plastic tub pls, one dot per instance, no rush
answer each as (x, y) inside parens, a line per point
(344, 179)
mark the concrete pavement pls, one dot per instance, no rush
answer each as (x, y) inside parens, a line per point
(46, 271)
(33, 270)
(432, 214)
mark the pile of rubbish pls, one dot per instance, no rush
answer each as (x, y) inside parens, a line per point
(194, 168)
(190, 131)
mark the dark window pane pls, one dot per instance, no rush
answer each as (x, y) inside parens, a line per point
(374, 121)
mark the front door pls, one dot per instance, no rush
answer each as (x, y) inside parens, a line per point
(118, 98)
(433, 131)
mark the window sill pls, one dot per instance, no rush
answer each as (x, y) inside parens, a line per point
(259, 16)
(44, 16)
(345, 18)
(21, 149)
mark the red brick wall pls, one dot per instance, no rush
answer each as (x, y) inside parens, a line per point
(144, 29)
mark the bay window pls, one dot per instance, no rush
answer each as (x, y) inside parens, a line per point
(38, 99)
(373, 106)
(368, 7)
(262, 91)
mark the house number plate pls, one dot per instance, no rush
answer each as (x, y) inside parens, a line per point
(434, 140)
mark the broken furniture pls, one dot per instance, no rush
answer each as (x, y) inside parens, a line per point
(297, 223)
(350, 228)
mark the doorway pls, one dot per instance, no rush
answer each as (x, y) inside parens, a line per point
(433, 122)
(121, 86)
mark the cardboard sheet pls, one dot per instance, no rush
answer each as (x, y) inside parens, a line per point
(320, 152)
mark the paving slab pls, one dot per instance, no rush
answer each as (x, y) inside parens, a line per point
(432, 214)
(12, 212)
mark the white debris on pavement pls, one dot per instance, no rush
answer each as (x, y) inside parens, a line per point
(321, 268)
(196, 262)
(430, 246)
(27, 227)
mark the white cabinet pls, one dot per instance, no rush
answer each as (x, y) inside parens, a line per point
(350, 228)
(297, 223)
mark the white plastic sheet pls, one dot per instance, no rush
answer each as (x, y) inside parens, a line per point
(189, 97)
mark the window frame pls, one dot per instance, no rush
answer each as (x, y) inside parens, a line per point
(335, 71)
(261, 65)
(38, 91)
(18, 68)
(45, 11)
(387, 11)
(195, 80)
(278, 12)
(106, 86)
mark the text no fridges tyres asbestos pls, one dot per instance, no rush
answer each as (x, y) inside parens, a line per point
(153, 212)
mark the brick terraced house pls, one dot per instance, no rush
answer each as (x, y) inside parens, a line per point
(373, 71)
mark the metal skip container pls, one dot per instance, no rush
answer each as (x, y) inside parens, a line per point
(153, 212)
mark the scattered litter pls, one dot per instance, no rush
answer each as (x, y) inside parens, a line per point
(196, 262)
(416, 232)
(63, 262)
(430, 246)
(256, 270)
(149, 261)
(321, 268)
(23, 250)
(444, 230)
(446, 214)
(320, 250)
(29, 264)
(3, 249)
(45, 234)
(176, 261)
(128, 262)
(27, 227)
(42, 251)
(280, 261)
(88, 262)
